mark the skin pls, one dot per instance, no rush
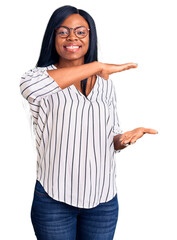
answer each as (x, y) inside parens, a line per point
(69, 59)
(130, 137)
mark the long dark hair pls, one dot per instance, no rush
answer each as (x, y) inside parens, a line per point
(48, 54)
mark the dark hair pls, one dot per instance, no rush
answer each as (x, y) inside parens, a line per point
(48, 54)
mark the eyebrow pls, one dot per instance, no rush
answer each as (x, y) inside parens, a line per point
(73, 27)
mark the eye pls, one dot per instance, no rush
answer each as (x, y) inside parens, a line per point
(62, 31)
(80, 32)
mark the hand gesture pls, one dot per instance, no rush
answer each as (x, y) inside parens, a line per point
(107, 69)
(131, 137)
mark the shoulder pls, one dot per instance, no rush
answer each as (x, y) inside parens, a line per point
(48, 67)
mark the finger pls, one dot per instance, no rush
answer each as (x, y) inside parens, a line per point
(127, 66)
(126, 135)
(127, 139)
(133, 140)
(113, 68)
(123, 137)
(150, 131)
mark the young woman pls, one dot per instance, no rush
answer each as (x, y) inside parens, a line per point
(74, 107)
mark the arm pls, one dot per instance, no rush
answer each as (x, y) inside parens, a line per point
(36, 83)
(117, 131)
(65, 77)
(40, 81)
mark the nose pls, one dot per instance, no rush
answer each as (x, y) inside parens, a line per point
(72, 35)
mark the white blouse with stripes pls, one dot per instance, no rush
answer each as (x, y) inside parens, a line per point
(74, 138)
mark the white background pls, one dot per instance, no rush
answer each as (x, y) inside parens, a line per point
(139, 31)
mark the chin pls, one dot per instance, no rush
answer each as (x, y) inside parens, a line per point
(73, 57)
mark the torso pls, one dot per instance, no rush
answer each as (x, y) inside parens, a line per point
(90, 83)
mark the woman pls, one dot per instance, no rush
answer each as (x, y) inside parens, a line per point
(73, 104)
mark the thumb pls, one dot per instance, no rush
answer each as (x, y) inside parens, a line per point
(151, 131)
(127, 66)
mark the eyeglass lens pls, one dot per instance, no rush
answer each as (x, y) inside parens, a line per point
(80, 32)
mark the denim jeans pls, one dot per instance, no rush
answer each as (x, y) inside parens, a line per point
(55, 220)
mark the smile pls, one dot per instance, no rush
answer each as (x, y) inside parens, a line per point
(72, 48)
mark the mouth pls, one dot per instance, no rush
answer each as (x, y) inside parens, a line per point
(72, 48)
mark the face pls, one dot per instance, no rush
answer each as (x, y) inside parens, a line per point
(72, 21)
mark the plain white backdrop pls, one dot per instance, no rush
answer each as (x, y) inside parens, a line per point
(137, 31)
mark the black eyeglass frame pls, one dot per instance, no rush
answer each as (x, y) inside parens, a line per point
(74, 29)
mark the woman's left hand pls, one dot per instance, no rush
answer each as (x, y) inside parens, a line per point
(131, 137)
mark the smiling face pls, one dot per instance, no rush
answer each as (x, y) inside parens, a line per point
(63, 45)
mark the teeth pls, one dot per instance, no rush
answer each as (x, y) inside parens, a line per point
(72, 47)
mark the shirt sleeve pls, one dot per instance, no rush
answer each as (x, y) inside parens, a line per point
(116, 129)
(37, 83)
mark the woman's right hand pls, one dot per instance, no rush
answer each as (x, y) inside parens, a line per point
(107, 69)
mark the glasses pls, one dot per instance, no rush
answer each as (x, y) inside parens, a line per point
(64, 32)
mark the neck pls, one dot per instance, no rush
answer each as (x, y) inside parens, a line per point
(69, 63)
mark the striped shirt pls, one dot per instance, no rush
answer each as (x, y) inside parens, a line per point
(74, 138)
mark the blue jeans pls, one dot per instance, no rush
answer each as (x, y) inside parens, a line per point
(55, 220)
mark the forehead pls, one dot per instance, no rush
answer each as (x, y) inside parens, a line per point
(75, 20)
